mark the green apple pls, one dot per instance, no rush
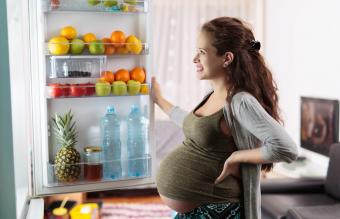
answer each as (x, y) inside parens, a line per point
(119, 88)
(77, 46)
(110, 3)
(131, 2)
(96, 47)
(93, 2)
(133, 87)
(103, 88)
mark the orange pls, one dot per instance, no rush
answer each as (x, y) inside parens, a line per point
(137, 74)
(122, 75)
(109, 49)
(68, 32)
(122, 50)
(89, 37)
(107, 76)
(118, 38)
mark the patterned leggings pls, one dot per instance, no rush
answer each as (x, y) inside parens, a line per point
(223, 210)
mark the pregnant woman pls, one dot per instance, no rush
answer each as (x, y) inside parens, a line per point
(230, 136)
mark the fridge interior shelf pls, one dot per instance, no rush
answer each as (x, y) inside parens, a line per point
(114, 6)
(77, 66)
(56, 91)
(108, 49)
(85, 173)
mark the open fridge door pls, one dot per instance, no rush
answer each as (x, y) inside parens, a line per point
(74, 69)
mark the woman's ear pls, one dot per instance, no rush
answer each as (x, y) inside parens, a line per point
(228, 58)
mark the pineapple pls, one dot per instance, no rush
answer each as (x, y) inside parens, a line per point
(67, 167)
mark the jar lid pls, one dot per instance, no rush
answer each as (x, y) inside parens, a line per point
(92, 149)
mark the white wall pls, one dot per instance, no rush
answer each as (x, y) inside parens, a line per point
(302, 42)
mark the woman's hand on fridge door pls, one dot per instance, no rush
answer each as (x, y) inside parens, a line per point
(158, 98)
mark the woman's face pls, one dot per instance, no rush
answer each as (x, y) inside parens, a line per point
(208, 64)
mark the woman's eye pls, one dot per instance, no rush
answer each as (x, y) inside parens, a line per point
(200, 51)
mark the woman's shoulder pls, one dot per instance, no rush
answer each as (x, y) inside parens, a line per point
(243, 97)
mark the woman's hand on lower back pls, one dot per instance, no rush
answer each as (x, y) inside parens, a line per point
(230, 167)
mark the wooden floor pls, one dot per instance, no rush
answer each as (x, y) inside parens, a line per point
(126, 196)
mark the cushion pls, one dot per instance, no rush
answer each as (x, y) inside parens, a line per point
(315, 212)
(277, 205)
(332, 184)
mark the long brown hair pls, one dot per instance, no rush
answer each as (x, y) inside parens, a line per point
(248, 71)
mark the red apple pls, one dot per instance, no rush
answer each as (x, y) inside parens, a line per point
(89, 89)
(66, 89)
(77, 90)
(55, 90)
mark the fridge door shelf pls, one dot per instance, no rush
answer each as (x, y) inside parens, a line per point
(85, 176)
(112, 6)
(111, 49)
(58, 91)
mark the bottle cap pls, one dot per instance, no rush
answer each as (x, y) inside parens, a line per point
(135, 108)
(110, 109)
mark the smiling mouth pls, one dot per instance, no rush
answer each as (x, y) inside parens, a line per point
(199, 68)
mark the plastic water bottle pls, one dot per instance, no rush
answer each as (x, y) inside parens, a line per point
(111, 145)
(136, 142)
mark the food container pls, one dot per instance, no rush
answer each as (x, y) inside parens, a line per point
(77, 66)
(93, 167)
(85, 211)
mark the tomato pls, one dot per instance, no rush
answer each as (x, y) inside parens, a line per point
(55, 90)
(66, 89)
(77, 90)
(89, 89)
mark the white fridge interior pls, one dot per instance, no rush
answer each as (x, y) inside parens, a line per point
(47, 18)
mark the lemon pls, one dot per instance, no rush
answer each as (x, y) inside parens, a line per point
(58, 45)
(133, 44)
(144, 89)
(68, 32)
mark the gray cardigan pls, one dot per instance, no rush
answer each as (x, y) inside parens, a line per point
(251, 126)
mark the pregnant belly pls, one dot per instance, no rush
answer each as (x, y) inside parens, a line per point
(189, 177)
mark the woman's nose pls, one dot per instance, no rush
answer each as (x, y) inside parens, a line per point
(195, 60)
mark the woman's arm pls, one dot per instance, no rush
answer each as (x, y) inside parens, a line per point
(175, 113)
(277, 145)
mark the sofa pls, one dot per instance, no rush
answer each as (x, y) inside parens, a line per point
(304, 198)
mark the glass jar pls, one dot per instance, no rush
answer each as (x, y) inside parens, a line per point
(93, 167)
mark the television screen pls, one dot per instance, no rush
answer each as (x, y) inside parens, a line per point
(319, 124)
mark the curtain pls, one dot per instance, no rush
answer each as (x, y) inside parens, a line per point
(175, 27)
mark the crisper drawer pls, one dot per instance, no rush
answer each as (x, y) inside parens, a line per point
(77, 66)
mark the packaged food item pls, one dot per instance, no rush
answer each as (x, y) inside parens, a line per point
(93, 167)
(85, 211)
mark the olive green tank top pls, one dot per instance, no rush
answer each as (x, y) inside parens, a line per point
(189, 171)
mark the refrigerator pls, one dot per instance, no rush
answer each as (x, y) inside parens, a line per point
(62, 79)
